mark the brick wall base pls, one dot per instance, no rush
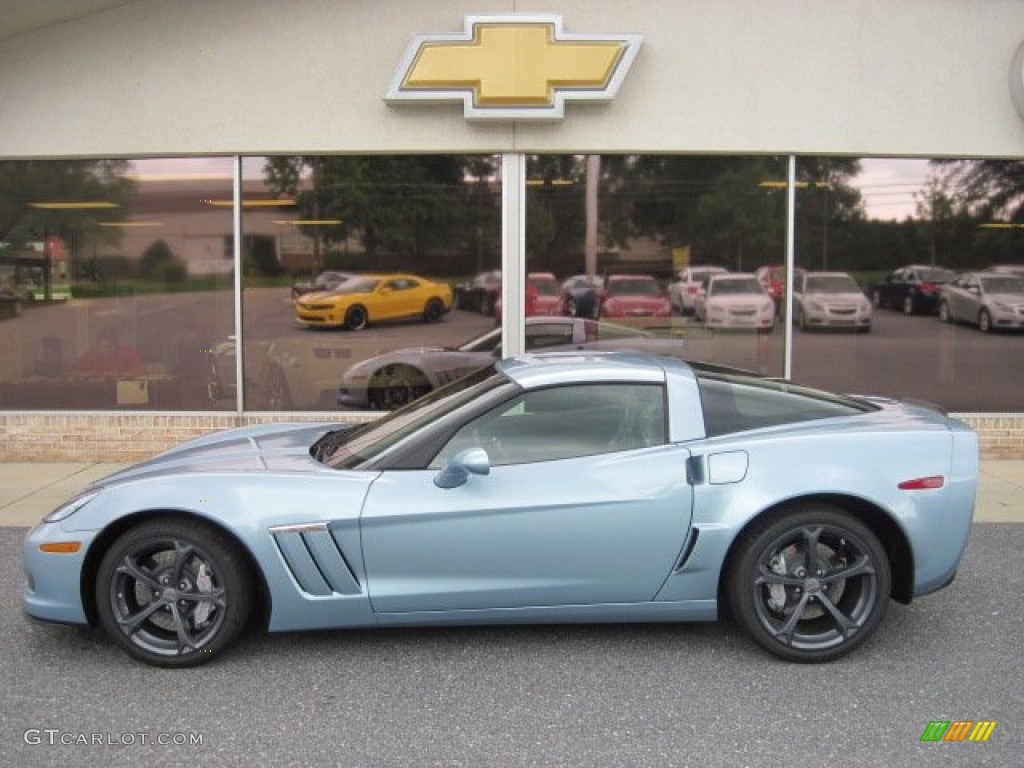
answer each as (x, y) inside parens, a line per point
(128, 437)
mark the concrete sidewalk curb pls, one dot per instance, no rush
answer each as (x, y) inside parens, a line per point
(30, 491)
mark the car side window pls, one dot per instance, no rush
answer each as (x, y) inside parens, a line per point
(565, 422)
(540, 335)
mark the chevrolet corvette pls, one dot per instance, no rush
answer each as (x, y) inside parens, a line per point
(548, 488)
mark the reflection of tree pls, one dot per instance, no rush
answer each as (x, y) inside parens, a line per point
(24, 182)
(412, 206)
(990, 188)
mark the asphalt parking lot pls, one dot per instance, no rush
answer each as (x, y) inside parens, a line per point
(616, 695)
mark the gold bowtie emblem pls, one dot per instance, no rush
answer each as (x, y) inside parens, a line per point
(514, 67)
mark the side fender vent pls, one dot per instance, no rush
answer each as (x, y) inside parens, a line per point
(315, 560)
(691, 542)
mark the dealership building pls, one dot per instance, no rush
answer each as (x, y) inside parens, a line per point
(169, 171)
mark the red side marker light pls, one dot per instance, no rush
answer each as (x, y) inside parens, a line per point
(923, 483)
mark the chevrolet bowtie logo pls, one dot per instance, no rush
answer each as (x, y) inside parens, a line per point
(514, 67)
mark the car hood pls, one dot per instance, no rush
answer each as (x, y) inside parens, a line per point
(283, 447)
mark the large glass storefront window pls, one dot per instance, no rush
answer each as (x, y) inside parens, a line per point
(360, 287)
(675, 255)
(116, 277)
(924, 259)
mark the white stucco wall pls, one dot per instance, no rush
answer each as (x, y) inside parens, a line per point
(857, 77)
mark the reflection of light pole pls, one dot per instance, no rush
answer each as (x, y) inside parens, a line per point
(590, 206)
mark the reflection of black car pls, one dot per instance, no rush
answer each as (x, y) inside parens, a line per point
(581, 296)
(479, 294)
(325, 281)
(911, 289)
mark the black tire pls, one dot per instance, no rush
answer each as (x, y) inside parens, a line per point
(876, 299)
(279, 396)
(908, 305)
(944, 313)
(149, 585)
(487, 304)
(808, 607)
(356, 319)
(984, 321)
(433, 311)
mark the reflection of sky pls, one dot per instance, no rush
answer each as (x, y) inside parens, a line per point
(887, 185)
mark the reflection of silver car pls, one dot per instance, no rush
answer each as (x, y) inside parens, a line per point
(394, 378)
(736, 301)
(325, 281)
(689, 285)
(830, 300)
(990, 300)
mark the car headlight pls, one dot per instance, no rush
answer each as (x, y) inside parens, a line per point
(72, 505)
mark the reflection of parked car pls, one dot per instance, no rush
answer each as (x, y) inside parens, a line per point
(911, 289)
(1007, 269)
(395, 378)
(773, 278)
(541, 296)
(581, 296)
(554, 488)
(375, 298)
(325, 281)
(634, 296)
(989, 300)
(736, 301)
(688, 285)
(480, 294)
(830, 300)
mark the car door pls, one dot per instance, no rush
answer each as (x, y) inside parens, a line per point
(585, 503)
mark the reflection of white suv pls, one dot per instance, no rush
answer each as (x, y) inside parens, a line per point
(690, 283)
(830, 300)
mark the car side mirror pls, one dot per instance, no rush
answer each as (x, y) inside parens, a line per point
(457, 471)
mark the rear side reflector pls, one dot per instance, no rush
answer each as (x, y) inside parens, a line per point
(923, 483)
(61, 547)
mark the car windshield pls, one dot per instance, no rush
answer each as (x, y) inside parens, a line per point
(735, 285)
(935, 275)
(545, 286)
(831, 284)
(353, 448)
(358, 285)
(1003, 284)
(633, 288)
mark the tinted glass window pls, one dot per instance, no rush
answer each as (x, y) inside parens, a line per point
(737, 403)
(565, 422)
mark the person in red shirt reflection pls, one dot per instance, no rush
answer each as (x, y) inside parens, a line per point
(108, 358)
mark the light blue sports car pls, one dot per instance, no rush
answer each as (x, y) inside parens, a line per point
(567, 487)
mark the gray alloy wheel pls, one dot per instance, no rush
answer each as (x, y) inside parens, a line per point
(984, 321)
(571, 308)
(876, 299)
(944, 313)
(279, 396)
(356, 318)
(810, 583)
(395, 385)
(908, 305)
(433, 311)
(173, 592)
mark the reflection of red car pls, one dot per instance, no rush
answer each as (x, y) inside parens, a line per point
(541, 296)
(634, 296)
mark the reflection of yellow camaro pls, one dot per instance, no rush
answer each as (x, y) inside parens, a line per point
(372, 298)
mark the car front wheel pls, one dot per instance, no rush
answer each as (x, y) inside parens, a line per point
(984, 321)
(809, 584)
(356, 318)
(173, 592)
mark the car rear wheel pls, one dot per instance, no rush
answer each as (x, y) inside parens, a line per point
(432, 311)
(173, 593)
(356, 318)
(809, 584)
(396, 385)
(908, 305)
(984, 321)
(876, 299)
